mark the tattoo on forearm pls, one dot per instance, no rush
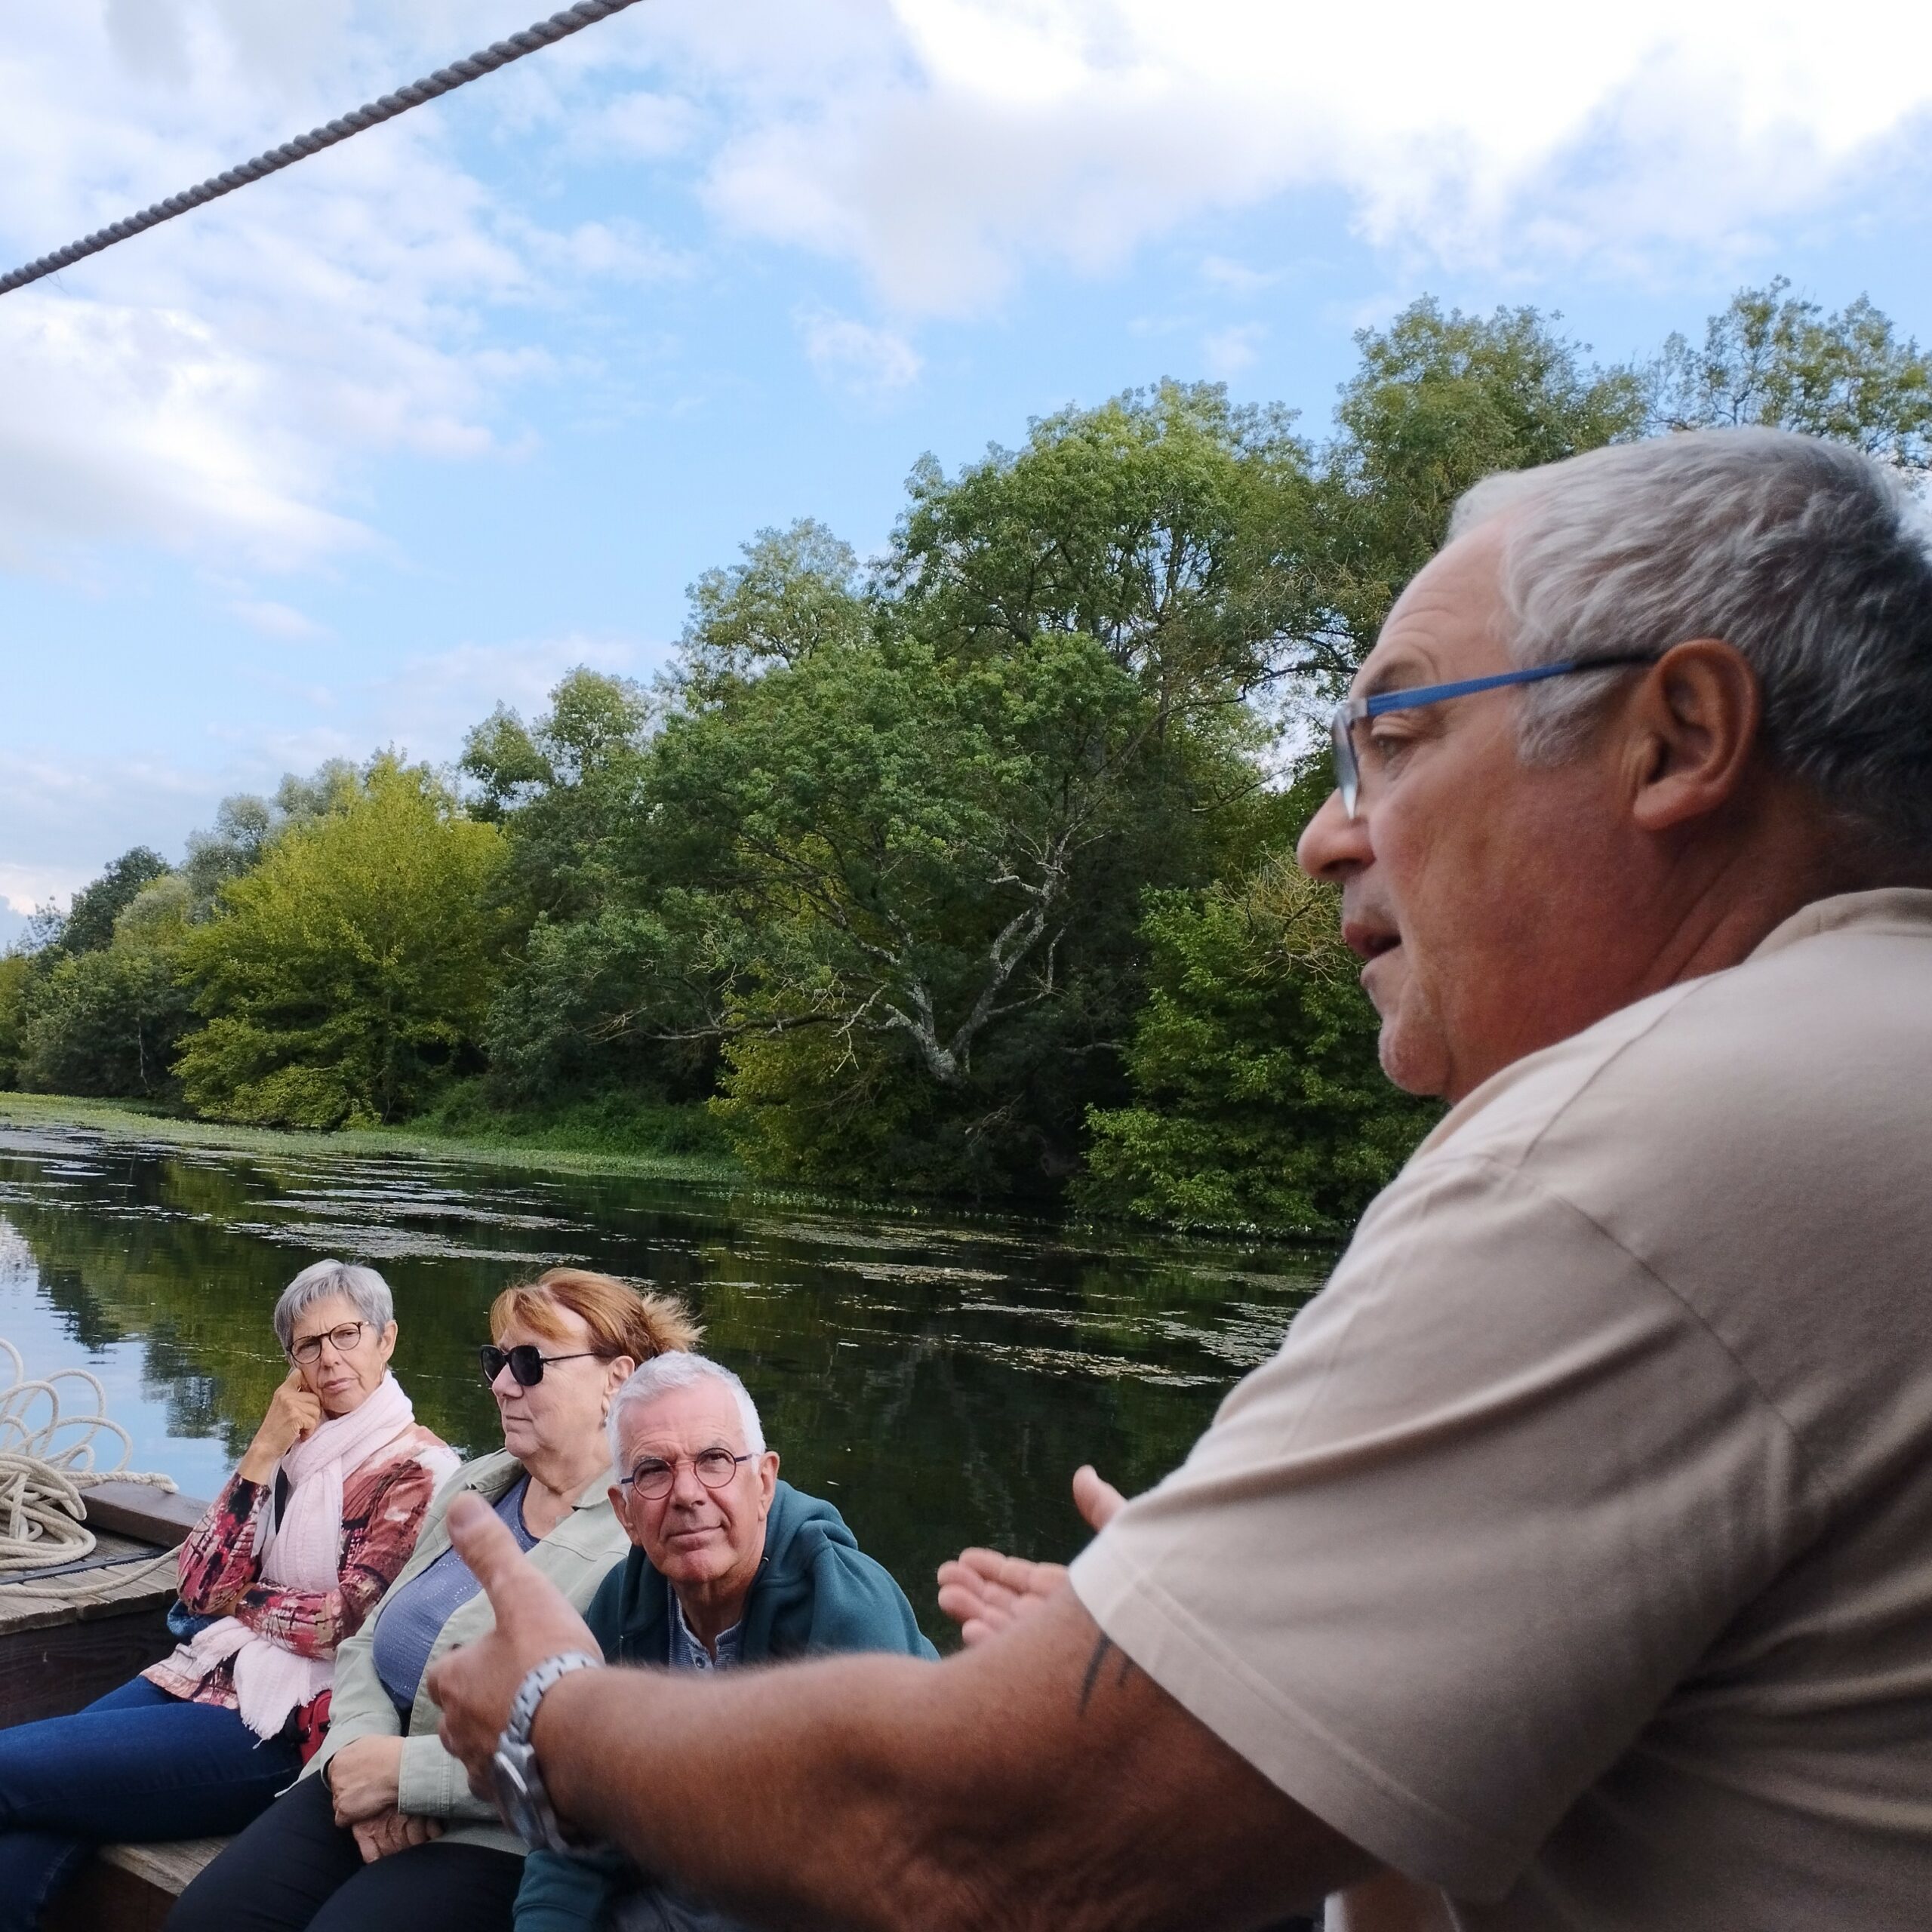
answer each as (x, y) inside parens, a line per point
(1092, 1676)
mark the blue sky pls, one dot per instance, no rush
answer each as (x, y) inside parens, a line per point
(346, 458)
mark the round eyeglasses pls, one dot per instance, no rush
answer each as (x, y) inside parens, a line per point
(652, 1479)
(341, 1340)
(525, 1362)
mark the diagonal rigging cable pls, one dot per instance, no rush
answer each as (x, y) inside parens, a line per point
(545, 33)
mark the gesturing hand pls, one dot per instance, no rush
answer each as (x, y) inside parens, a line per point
(474, 1684)
(983, 1592)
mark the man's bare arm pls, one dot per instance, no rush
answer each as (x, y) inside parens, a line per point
(1038, 1780)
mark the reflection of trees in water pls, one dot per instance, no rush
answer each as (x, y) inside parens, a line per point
(939, 1385)
(201, 1297)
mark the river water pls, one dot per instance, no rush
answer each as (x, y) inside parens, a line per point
(938, 1380)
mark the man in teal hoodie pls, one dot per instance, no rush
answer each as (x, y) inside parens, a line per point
(728, 1566)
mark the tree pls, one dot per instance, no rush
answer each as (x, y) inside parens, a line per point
(16, 971)
(922, 851)
(1135, 524)
(89, 924)
(1259, 1101)
(796, 592)
(107, 1020)
(245, 825)
(583, 879)
(1441, 400)
(931, 810)
(353, 966)
(1778, 359)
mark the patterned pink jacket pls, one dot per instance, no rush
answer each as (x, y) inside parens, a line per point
(383, 1503)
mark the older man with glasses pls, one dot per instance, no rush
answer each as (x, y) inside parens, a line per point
(1572, 1558)
(728, 1566)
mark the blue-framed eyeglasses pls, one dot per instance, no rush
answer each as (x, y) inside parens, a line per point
(1349, 714)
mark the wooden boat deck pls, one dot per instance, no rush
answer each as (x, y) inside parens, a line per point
(60, 1650)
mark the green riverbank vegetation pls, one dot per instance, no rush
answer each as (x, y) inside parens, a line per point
(564, 1143)
(964, 870)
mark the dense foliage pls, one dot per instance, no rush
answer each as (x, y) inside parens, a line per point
(964, 869)
(351, 966)
(1259, 1099)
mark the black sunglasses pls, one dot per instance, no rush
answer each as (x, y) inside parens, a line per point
(526, 1362)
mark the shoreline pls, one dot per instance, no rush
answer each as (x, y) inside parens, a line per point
(124, 1118)
(721, 1174)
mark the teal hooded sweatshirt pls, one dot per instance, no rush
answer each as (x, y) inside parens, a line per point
(816, 1592)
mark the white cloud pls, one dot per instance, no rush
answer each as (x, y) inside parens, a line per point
(62, 819)
(117, 421)
(1229, 351)
(643, 125)
(867, 361)
(220, 387)
(273, 619)
(1237, 278)
(427, 706)
(986, 133)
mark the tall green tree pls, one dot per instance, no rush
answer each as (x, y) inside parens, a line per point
(592, 876)
(1440, 400)
(1776, 358)
(107, 1020)
(925, 854)
(1259, 1099)
(352, 968)
(16, 972)
(1139, 524)
(89, 924)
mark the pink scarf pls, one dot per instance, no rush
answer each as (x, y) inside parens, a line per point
(301, 1551)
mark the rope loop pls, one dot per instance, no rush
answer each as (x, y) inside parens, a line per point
(47, 1457)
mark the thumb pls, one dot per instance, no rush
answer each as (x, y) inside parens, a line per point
(1097, 1499)
(483, 1542)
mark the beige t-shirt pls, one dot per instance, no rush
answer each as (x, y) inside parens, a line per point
(1574, 1554)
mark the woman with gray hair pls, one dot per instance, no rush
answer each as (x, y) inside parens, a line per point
(289, 1559)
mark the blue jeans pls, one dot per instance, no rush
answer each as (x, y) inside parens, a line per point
(137, 1764)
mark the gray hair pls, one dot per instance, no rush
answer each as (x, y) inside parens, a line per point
(678, 1368)
(1813, 559)
(320, 1280)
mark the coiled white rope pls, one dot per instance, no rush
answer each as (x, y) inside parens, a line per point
(500, 54)
(47, 1457)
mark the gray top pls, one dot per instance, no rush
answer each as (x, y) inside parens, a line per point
(687, 1651)
(413, 1618)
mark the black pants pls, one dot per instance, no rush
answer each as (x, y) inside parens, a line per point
(295, 1869)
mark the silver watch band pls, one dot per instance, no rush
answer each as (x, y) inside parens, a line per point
(520, 1794)
(530, 1692)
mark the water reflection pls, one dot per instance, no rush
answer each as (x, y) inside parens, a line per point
(940, 1382)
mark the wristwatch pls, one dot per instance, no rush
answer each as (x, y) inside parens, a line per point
(521, 1797)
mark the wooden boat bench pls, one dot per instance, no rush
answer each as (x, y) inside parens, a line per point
(131, 1887)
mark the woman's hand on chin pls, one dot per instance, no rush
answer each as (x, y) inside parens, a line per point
(292, 1412)
(364, 1779)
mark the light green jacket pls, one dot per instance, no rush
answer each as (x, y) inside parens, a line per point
(577, 1556)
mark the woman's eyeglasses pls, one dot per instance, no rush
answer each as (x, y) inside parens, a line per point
(310, 1348)
(525, 1362)
(652, 1479)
